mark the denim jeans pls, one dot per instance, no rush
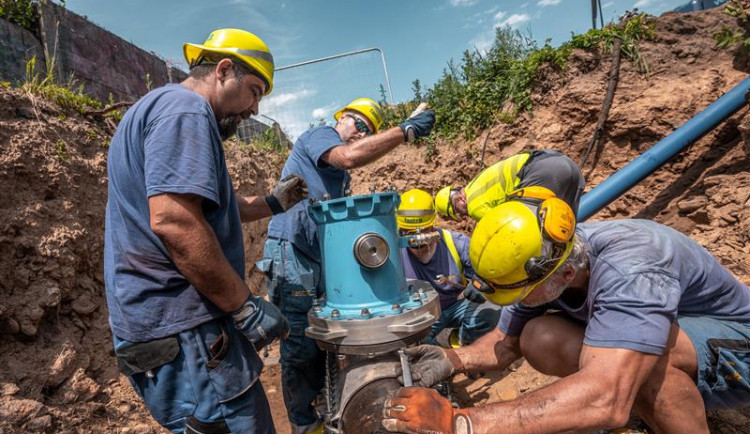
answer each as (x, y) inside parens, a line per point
(723, 349)
(208, 383)
(293, 280)
(471, 319)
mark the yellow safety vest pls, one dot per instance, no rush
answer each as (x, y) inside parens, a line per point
(456, 258)
(492, 187)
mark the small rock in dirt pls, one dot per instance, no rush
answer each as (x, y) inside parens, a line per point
(83, 305)
(39, 424)
(79, 388)
(8, 389)
(689, 205)
(17, 411)
(63, 366)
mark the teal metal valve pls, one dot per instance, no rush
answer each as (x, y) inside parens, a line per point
(362, 267)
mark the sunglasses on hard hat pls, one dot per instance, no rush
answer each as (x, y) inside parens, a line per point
(407, 232)
(360, 125)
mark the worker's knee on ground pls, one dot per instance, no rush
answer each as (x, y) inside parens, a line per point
(551, 344)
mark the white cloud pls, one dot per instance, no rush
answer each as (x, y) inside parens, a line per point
(524, 6)
(544, 3)
(607, 5)
(282, 99)
(324, 112)
(483, 41)
(642, 3)
(460, 3)
(515, 19)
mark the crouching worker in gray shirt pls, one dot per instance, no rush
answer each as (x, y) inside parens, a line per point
(632, 314)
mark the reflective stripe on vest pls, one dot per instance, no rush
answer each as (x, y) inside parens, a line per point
(491, 187)
(456, 258)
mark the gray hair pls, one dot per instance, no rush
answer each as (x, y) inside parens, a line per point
(578, 260)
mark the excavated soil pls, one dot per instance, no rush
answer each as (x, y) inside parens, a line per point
(57, 373)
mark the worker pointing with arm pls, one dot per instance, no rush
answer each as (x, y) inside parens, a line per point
(185, 325)
(323, 156)
(644, 320)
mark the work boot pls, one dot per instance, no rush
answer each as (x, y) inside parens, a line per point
(313, 428)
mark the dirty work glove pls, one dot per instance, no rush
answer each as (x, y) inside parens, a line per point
(260, 321)
(431, 364)
(472, 294)
(417, 410)
(418, 125)
(287, 193)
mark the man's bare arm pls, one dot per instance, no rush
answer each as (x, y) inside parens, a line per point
(364, 151)
(253, 208)
(599, 396)
(493, 351)
(177, 219)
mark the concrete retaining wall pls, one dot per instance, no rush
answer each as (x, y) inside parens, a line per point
(104, 63)
(17, 47)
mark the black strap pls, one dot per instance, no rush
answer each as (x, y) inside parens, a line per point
(274, 204)
(194, 426)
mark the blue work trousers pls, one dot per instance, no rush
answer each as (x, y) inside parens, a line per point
(471, 319)
(213, 378)
(293, 281)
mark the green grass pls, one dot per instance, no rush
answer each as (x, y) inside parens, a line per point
(486, 88)
(63, 95)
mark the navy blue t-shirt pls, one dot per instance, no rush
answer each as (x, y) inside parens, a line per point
(305, 160)
(442, 262)
(642, 275)
(168, 142)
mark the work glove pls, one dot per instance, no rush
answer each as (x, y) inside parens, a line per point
(287, 193)
(430, 364)
(418, 125)
(417, 410)
(260, 321)
(472, 292)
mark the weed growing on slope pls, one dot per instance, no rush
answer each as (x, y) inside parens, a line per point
(496, 85)
(728, 39)
(46, 86)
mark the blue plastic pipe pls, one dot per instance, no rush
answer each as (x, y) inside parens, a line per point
(638, 169)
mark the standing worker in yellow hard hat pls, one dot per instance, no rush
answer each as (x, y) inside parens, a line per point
(445, 263)
(185, 325)
(548, 169)
(633, 315)
(323, 156)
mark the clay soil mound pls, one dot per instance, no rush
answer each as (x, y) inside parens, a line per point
(57, 373)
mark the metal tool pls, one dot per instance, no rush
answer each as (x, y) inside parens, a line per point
(405, 368)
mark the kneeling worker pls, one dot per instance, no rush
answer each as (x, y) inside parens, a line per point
(544, 168)
(647, 320)
(448, 258)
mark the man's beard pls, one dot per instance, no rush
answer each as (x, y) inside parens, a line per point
(228, 126)
(551, 290)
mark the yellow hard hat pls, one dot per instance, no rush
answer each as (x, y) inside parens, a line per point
(416, 211)
(238, 43)
(517, 246)
(443, 202)
(367, 108)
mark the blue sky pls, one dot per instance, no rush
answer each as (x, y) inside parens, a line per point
(418, 38)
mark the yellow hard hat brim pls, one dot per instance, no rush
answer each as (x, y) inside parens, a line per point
(193, 52)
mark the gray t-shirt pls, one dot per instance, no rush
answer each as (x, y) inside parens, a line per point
(642, 275)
